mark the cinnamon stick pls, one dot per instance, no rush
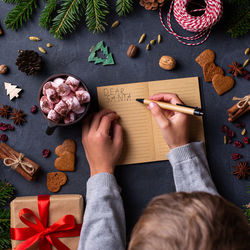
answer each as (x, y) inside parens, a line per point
(6, 152)
(234, 112)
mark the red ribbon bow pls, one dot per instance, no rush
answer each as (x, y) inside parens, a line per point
(39, 231)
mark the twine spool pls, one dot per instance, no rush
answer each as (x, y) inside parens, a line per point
(202, 25)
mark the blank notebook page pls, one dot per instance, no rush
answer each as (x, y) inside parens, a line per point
(143, 141)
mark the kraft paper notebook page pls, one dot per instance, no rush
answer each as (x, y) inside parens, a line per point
(143, 139)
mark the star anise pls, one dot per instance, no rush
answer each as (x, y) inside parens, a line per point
(18, 117)
(242, 170)
(5, 111)
(235, 69)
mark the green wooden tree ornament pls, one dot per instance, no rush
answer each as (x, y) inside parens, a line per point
(109, 60)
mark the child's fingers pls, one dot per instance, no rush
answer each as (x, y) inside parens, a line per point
(117, 134)
(97, 118)
(167, 97)
(159, 116)
(106, 121)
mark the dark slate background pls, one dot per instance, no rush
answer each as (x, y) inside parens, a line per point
(139, 183)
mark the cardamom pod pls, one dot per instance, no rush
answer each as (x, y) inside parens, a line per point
(245, 63)
(34, 38)
(142, 38)
(152, 42)
(159, 39)
(49, 45)
(42, 50)
(244, 131)
(225, 139)
(247, 51)
(115, 24)
(148, 47)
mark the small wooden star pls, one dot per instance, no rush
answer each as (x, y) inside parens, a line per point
(242, 170)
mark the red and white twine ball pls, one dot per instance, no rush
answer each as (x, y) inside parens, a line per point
(201, 25)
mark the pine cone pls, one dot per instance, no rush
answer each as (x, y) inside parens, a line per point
(152, 4)
(29, 61)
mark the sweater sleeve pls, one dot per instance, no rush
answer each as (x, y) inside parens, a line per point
(104, 220)
(190, 169)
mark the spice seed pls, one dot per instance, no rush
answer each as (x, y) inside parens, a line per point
(142, 38)
(115, 24)
(34, 38)
(42, 50)
(247, 51)
(159, 38)
(225, 139)
(152, 42)
(49, 45)
(244, 131)
(246, 63)
(148, 47)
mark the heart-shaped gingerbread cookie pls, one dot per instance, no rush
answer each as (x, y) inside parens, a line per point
(210, 69)
(68, 145)
(205, 57)
(55, 180)
(222, 84)
(66, 161)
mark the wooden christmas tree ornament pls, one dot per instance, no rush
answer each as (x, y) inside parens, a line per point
(12, 90)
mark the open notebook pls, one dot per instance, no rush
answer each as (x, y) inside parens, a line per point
(143, 139)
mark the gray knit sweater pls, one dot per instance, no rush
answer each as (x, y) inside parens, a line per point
(104, 220)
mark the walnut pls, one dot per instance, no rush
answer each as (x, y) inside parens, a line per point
(3, 69)
(167, 62)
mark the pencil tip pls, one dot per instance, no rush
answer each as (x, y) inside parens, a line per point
(139, 100)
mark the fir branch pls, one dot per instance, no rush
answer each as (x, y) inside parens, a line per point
(12, 1)
(124, 7)
(45, 18)
(237, 23)
(21, 13)
(68, 16)
(96, 12)
(6, 192)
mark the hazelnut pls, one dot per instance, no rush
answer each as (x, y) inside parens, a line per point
(167, 62)
(132, 50)
(3, 69)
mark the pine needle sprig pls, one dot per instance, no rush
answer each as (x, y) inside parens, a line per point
(68, 16)
(20, 14)
(6, 192)
(12, 1)
(46, 15)
(96, 12)
(124, 7)
(238, 22)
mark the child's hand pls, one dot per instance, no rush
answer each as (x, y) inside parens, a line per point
(102, 150)
(174, 125)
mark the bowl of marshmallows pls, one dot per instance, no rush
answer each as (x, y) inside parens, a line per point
(64, 100)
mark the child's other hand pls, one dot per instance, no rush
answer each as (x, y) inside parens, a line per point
(102, 149)
(174, 125)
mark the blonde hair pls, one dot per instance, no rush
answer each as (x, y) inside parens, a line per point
(191, 221)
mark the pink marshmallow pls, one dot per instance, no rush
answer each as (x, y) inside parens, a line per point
(71, 116)
(63, 89)
(46, 86)
(73, 83)
(70, 95)
(82, 96)
(52, 95)
(57, 82)
(75, 104)
(61, 108)
(53, 116)
(80, 110)
(45, 105)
